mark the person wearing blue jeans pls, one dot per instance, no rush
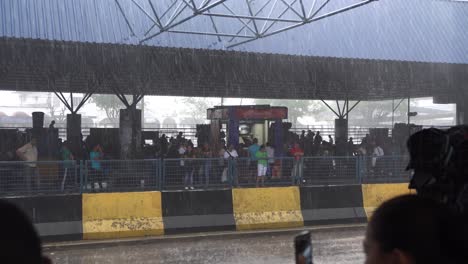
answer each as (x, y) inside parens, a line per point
(252, 162)
(297, 153)
(207, 155)
(189, 168)
(231, 155)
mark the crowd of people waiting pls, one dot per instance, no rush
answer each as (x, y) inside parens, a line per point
(202, 165)
(259, 159)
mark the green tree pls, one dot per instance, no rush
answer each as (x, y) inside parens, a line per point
(378, 113)
(296, 108)
(195, 108)
(56, 110)
(109, 103)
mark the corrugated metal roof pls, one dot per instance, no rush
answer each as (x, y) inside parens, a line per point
(409, 30)
(38, 65)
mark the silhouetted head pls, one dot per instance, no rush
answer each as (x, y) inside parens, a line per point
(411, 230)
(19, 241)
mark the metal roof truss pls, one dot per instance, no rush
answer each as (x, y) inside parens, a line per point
(232, 22)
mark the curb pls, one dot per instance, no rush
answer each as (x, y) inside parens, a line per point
(194, 236)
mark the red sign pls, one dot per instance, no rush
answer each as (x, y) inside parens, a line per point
(248, 112)
(262, 114)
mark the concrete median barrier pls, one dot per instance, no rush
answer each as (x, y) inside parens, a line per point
(375, 194)
(56, 217)
(332, 204)
(197, 211)
(118, 215)
(267, 208)
(138, 214)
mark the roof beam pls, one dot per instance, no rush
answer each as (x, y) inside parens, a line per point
(171, 22)
(298, 16)
(306, 21)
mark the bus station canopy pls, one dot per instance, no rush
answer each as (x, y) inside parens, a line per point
(43, 65)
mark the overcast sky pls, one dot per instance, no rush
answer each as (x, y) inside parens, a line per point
(159, 107)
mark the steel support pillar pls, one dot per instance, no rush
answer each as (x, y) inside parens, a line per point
(215, 141)
(341, 130)
(462, 112)
(279, 138)
(341, 123)
(460, 100)
(73, 126)
(233, 129)
(130, 126)
(130, 133)
(73, 119)
(74, 131)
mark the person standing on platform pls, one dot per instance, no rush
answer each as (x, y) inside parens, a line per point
(302, 139)
(83, 151)
(271, 159)
(222, 165)
(377, 155)
(252, 151)
(350, 147)
(97, 171)
(163, 145)
(303, 135)
(207, 155)
(29, 154)
(297, 153)
(318, 139)
(309, 144)
(68, 163)
(189, 166)
(262, 160)
(180, 137)
(181, 154)
(231, 155)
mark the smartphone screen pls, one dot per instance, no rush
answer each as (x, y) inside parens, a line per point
(303, 248)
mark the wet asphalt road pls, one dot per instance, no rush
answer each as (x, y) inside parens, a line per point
(330, 245)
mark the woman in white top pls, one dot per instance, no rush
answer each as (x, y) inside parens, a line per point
(231, 152)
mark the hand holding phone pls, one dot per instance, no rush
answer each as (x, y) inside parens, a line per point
(303, 248)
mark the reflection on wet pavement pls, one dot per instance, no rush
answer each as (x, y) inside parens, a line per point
(337, 245)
